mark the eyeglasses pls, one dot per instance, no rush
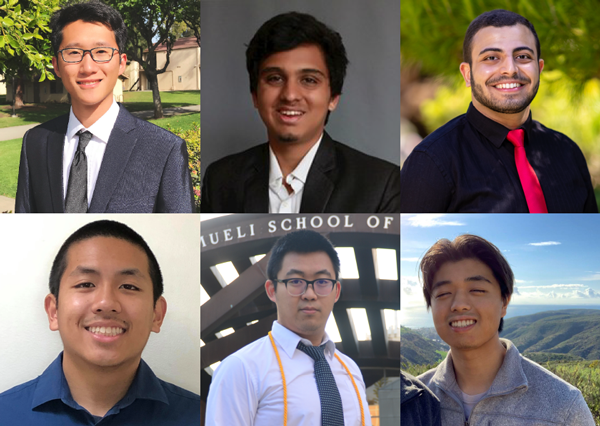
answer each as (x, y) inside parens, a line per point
(298, 286)
(98, 54)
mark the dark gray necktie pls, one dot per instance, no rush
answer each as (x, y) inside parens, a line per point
(76, 200)
(332, 413)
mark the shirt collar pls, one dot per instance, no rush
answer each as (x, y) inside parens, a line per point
(509, 378)
(495, 132)
(301, 170)
(288, 340)
(52, 385)
(101, 129)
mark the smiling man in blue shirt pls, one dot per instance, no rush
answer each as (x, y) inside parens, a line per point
(110, 288)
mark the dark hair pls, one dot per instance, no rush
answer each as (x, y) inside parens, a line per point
(288, 31)
(91, 11)
(303, 241)
(110, 229)
(466, 247)
(495, 18)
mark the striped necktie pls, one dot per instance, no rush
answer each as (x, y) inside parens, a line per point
(76, 200)
(332, 412)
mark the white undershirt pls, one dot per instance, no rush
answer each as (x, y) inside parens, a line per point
(94, 152)
(280, 201)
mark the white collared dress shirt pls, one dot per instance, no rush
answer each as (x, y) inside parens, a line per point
(247, 390)
(280, 201)
(94, 152)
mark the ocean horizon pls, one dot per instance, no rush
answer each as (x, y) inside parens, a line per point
(419, 317)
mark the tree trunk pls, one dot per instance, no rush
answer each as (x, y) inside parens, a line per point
(153, 81)
(19, 92)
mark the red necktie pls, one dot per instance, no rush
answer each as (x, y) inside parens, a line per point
(529, 181)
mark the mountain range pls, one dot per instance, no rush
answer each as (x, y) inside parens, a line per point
(568, 334)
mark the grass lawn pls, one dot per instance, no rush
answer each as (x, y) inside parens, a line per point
(133, 101)
(31, 113)
(142, 101)
(183, 121)
(9, 166)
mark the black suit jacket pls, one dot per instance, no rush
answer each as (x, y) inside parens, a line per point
(340, 180)
(144, 170)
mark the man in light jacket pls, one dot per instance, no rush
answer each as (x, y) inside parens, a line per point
(484, 380)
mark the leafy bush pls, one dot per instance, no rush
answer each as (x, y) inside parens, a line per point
(192, 140)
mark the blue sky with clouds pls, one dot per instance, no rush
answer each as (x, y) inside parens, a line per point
(555, 258)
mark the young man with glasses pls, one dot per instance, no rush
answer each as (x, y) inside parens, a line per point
(295, 375)
(98, 158)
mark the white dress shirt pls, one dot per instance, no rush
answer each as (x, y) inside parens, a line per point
(247, 389)
(280, 201)
(94, 152)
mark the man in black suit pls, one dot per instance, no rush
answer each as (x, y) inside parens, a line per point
(99, 158)
(297, 67)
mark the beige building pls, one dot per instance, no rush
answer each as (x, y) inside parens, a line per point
(2, 86)
(183, 72)
(54, 91)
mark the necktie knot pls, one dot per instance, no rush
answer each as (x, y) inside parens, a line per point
(84, 139)
(516, 137)
(315, 352)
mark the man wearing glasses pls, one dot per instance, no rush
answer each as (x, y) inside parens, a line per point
(295, 375)
(98, 158)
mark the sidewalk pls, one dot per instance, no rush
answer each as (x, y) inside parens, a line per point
(15, 132)
(7, 204)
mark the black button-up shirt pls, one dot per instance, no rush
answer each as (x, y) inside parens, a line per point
(468, 165)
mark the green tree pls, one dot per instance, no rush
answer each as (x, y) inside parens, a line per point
(25, 49)
(432, 33)
(149, 24)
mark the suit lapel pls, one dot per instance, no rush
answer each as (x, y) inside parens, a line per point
(120, 144)
(256, 188)
(54, 154)
(319, 182)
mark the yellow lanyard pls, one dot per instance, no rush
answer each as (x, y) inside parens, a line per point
(362, 412)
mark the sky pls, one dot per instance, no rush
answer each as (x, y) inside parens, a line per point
(555, 258)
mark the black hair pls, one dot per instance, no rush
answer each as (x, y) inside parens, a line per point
(303, 241)
(495, 18)
(91, 11)
(110, 229)
(288, 31)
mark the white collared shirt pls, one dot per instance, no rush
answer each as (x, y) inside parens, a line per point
(247, 389)
(94, 152)
(280, 201)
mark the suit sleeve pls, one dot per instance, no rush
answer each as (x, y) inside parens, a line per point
(391, 196)
(175, 194)
(23, 200)
(424, 188)
(205, 206)
(232, 397)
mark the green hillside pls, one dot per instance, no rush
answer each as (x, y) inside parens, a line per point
(417, 350)
(573, 332)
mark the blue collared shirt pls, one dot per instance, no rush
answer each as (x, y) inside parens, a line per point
(47, 401)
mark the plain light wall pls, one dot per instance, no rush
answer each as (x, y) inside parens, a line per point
(28, 245)
(368, 115)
